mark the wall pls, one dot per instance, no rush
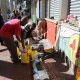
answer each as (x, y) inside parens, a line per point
(63, 9)
(43, 8)
(33, 9)
(37, 9)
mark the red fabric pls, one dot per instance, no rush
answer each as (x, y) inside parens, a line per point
(51, 35)
(11, 28)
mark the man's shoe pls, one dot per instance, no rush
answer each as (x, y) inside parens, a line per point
(16, 61)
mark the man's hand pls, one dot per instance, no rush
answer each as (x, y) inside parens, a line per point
(23, 43)
(18, 38)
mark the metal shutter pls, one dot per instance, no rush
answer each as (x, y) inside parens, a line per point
(54, 8)
(46, 8)
(75, 7)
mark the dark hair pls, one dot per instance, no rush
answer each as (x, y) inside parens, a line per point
(51, 17)
(33, 25)
(24, 18)
(19, 17)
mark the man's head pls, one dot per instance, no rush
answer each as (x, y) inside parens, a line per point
(24, 20)
(14, 11)
(33, 26)
(30, 26)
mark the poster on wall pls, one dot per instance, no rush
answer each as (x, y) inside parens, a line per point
(69, 42)
(40, 8)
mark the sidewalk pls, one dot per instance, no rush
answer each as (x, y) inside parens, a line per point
(57, 70)
(55, 66)
(10, 71)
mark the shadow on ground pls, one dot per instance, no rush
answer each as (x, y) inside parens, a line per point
(10, 71)
(3, 50)
(57, 70)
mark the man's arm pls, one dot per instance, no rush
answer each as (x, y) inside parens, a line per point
(23, 40)
(18, 38)
(32, 36)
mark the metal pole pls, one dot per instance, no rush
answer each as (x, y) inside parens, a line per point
(11, 5)
(15, 5)
(4, 10)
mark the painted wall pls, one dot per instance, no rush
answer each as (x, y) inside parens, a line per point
(69, 42)
(51, 35)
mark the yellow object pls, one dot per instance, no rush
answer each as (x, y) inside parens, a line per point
(29, 52)
(49, 50)
(27, 47)
(78, 78)
(19, 44)
(34, 55)
(24, 57)
(28, 60)
(78, 73)
(18, 52)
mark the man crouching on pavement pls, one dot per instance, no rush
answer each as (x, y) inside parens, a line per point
(26, 33)
(10, 28)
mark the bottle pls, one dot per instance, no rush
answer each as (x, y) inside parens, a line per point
(24, 57)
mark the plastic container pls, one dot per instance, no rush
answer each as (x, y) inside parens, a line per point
(27, 47)
(18, 52)
(24, 57)
(29, 52)
(34, 55)
(19, 44)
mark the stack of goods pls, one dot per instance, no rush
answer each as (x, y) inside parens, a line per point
(73, 20)
(30, 53)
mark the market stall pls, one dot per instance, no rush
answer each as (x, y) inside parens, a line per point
(69, 43)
